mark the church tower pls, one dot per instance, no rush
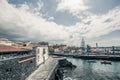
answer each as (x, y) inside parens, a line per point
(83, 43)
(83, 46)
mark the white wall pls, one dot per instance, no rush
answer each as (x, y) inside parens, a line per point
(6, 43)
(40, 56)
(56, 50)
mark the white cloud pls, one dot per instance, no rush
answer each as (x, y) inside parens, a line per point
(26, 24)
(51, 18)
(99, 26)
(21, 21)
(73, 6)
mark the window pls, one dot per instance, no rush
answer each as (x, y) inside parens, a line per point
(43, 50)
(38, 51)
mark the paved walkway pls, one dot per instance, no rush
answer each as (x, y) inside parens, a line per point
(45, 70)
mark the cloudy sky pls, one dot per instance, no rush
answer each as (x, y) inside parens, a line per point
(61, 21)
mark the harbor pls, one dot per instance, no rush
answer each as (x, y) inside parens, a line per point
(89, 70)
(91, 57)
(59, 39)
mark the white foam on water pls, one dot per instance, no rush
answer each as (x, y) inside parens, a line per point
(68, 78)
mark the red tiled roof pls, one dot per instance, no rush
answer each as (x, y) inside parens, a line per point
(5, 48)
(29, 46)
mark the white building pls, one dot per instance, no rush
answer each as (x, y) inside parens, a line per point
(41, 54)
(5, 41)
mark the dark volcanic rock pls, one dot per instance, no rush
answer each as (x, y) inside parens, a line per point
(66, 63)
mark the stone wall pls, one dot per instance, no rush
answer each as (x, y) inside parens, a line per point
(10, 70)
(21, 68)
(17, 68)
(27, 67)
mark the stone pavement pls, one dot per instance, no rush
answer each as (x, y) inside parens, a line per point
(45, 70)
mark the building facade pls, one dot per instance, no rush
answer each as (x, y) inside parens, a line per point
(41, 54)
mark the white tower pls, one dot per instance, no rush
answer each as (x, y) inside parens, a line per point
(83, 43)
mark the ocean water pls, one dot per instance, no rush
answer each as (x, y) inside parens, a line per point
(92, 70)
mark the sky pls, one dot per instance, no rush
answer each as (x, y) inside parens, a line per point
(61, 21)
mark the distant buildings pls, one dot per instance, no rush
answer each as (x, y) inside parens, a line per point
(43, 43)
(26, 45)
(73, 50)
(106, 50)
(57, 48)
(5, 41)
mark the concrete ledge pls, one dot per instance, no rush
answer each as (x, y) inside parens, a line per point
(99, 57)
(45, 71)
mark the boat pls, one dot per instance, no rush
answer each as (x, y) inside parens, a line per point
(106, 62)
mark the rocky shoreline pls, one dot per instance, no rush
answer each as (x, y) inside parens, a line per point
(64, 64)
